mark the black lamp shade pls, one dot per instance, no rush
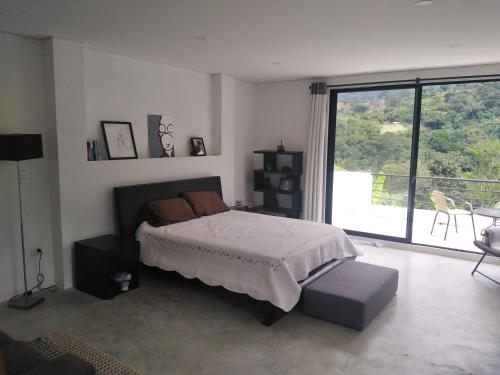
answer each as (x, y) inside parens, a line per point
(18, 147)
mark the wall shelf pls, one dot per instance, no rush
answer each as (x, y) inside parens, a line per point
(134, 160)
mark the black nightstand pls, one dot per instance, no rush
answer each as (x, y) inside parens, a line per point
(98, 259)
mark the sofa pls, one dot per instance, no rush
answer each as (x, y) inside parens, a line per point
(19, 358)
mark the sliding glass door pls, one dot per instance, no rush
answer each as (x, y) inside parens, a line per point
(414, 163)
(372, 154)
(458, 163)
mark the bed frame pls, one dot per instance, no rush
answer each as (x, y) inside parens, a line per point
(131, 200)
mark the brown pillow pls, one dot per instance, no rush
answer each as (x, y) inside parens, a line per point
(169, 211)
(205, 202)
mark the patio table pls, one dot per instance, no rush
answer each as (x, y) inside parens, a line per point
(494, 213)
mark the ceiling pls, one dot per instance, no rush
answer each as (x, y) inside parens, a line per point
(271, 40)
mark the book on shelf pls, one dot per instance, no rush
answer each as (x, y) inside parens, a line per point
(95, 150)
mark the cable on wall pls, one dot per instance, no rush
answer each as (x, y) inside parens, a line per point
(40, 279)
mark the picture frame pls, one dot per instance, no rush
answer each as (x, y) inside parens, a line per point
(161, 142)
(198, 147)
(119, 140)
(286, 184)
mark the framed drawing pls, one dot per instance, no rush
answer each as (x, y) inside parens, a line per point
(198, 147)
(119, 140)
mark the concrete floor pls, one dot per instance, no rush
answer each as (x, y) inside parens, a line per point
(391, 221)
(442, 321)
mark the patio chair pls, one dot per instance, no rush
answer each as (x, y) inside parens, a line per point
(441, 201)
(488, 249)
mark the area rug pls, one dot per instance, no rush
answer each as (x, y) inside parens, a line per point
(60, 343)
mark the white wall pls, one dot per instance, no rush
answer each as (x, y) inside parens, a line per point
(90, 86)
(120, 88)
(245, 138)
(22, 110)
(63, 90)
(282, 113)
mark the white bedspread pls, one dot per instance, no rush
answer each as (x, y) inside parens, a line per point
(260, 255)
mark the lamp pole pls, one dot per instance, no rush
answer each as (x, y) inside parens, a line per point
(26, 300)
(22, 229)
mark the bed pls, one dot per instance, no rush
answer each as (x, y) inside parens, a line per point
(266, 257)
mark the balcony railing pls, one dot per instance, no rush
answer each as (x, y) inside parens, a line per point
(392, 190)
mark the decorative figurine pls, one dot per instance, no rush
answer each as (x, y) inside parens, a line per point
(281, 148)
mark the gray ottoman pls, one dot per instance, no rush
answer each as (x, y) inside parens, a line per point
(351, 294)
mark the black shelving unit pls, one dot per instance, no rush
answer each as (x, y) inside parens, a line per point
(262, 181)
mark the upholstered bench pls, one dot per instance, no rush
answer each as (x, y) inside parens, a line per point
(351, 294)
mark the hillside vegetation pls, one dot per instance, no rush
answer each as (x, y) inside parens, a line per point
(460, 131)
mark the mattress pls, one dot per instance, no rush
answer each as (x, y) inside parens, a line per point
(259, 255)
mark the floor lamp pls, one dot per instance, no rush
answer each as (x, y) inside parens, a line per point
(18, 147)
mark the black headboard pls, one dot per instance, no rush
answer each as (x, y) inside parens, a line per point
(130, 200)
